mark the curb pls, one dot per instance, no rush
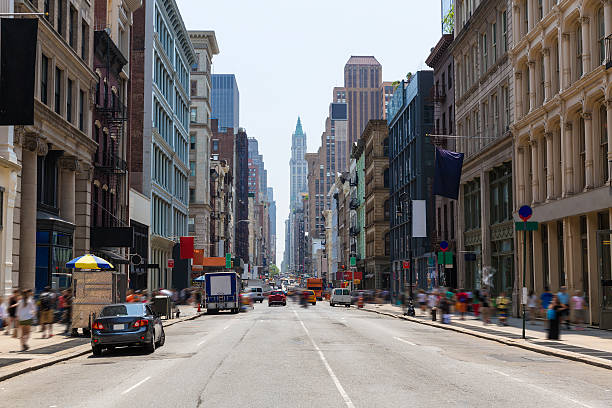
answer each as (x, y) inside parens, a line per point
(568, 355)
(77, 351)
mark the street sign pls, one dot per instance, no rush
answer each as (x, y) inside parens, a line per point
(170, 263)
(406, 264)
(353, 261)
(228, 260)
(525, 212)
(357, 281)
(445, 258)
(526, 226)
(444, 246)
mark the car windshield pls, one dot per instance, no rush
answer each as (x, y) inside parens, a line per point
(121, 310)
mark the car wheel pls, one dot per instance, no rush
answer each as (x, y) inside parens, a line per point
(162, 339)
(347, 305)
(96, 350)
(110, 348)
(285, 304)
(269, 304)
(331, 304)
(150, 348)
(314, 303)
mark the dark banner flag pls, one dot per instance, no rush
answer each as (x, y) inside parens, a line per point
(17, 65)
(447, 176)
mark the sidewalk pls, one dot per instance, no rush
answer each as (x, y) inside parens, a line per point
(592, 346)
(60, 347)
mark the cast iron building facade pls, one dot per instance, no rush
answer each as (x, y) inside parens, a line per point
(411, 169)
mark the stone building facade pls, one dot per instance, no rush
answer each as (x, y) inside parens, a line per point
(205, 46)
(51, 221)
(377, 205)
(563, 146)
(483, 80)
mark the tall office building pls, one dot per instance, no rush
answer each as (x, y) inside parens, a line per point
(298, 166)
(159, 131)
(272, 222)
(364, 94)
(205, 45)
(225, 101)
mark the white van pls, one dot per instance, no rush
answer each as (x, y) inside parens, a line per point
(256, 294)
(340, 296)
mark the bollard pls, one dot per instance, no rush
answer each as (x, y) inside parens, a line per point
(433, 314)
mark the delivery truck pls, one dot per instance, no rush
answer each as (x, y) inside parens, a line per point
(222, 292)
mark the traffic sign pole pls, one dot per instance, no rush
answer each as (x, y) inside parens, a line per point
(525, 213)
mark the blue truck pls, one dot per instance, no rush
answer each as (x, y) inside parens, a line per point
(222, 292)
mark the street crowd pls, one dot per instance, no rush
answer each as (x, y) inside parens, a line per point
(20, 311)
(556, 309)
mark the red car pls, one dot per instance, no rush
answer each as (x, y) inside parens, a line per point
(277, 296)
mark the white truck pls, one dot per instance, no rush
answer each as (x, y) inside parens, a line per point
(222, 292)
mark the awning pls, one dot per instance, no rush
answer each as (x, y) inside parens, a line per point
(114, 257)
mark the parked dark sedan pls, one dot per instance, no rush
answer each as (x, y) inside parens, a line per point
(127, 324)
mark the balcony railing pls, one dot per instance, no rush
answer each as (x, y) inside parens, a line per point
(354, 231)
(111, 162)
(354, 203)
(609, 51)
(439, 94)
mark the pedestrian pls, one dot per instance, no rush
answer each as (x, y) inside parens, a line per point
(485, 308)
(502, 308)
(532, 306)
(564, 300)
(476, 302)
(432, 303)
(553, 315)
(545, 299)
(577, 313)
(445, 307)
(47, 312)
(3, 313)
(422, 299)
(461, 304)
(26, 311)
(12, 311)
(68, 311)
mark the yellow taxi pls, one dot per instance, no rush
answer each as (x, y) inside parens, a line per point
(312, 298)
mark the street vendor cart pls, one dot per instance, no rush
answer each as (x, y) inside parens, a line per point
(95, 284)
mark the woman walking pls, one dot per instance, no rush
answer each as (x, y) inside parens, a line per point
(485, 308)
(476, 302)
(553, 315)
(26, 311)
(12, 312)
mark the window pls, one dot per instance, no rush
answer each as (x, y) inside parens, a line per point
(81, 110)
(484, 53)
(540, 10)
(472, 204)
(505, 30)
(542, 74)
(601, 35)
(603, 150)
(579, 51)
(84, 41)
(506, 108)
(44, 80)
(192, 168)
(69, 100)
(525, 17)
(494, 40)
(60, 16)
(215, 145)
(47, 9)
(58, 91)
(194, 88)
(449, 74)
(192, 141)
(582, 152)
(72, 22)
(194, 115)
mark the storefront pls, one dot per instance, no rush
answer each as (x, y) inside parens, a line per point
(54, 247)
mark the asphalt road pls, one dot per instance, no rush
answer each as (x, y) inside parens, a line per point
(315, 357)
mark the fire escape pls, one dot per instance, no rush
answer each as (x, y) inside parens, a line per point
(110, 167)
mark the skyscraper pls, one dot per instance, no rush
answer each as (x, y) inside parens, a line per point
(225, 101)
(364, 94)
(298, 166)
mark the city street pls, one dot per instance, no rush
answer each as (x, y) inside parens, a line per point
(320, 356)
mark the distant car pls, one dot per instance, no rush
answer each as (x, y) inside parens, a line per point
(277, 297)
(340, 296)
(312, 297)
(127, 324)
(256, 294)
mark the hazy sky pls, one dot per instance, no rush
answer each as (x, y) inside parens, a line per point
(288, 55)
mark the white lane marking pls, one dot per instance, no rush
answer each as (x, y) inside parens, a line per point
(542, 389)
(405, 341)
(202, 342)
(226, 327)
(135, 385)
(343, 393)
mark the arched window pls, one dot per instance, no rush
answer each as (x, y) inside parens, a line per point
(603, 148)
(579, 51)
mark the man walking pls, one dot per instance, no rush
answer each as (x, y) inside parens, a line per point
(47, 312)
(564, 300)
